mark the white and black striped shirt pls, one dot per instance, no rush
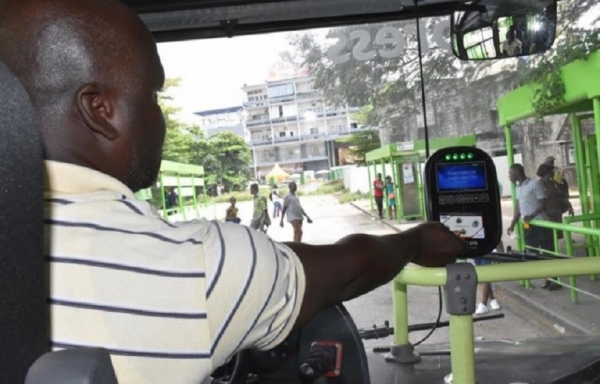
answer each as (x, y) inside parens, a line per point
(171, 302)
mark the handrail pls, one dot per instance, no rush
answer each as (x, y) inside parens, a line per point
(461, 327)
(495, 273)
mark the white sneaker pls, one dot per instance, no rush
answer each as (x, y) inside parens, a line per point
(481, 309)
(494, 305)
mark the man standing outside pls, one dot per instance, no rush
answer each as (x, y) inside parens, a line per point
(378, 194)
(260, 217)
(531, 204)
(295, 213)
(512, 46)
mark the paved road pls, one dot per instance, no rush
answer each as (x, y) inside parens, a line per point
(333, 221)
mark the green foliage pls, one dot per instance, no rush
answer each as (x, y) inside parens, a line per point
(225, 156)
(330, 188)
(349, 197)
(360, 143)
(550, 92)
(389, 87)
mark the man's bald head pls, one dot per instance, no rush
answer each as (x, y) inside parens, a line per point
(92, 70)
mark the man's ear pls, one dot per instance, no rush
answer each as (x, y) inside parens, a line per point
(97, 110)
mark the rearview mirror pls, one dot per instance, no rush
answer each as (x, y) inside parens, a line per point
(506, 29)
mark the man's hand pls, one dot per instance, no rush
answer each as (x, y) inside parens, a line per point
(571, 212)
(309, 220)
(527, 219)
(436, 245)
(511, 229)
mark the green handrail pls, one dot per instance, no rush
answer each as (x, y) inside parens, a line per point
(461, 327)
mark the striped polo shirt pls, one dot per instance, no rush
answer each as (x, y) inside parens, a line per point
(171, 302)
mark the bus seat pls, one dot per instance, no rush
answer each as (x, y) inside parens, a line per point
(24, 318)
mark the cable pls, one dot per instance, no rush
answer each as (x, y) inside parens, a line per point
(423, 103)
(426, 129)
(437, 322)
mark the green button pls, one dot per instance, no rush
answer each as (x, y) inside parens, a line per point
(455, 156)
(463, 156)
(448, 157)
(470, 156)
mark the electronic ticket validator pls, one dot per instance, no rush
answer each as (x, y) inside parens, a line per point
(461, 191)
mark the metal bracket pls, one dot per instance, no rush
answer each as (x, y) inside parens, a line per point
(402, 354)
(461, 289)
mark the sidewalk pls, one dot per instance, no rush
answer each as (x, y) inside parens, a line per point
(552, 309)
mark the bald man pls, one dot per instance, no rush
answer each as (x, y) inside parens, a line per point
(170, 302)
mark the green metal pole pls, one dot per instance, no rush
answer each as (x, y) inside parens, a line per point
(400, 308)
(181, 208)
(162, 196)
(572, 279)
(582, 180)
(386, 207)
(462, 349)
(370, 184)
(510, 156)
(397, 181)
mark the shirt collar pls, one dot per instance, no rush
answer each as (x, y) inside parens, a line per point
(65, 178)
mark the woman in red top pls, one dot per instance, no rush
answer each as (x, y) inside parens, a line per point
(378, 194)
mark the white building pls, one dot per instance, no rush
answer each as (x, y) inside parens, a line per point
(222, 120)
(291, 124)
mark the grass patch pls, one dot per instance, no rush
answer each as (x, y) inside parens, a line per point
(348, 197)
(329, 188)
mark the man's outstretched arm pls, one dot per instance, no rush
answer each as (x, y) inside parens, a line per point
(360, 263)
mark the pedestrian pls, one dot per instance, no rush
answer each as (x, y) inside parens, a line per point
(486, 291)
(295, 213)
(260, 217)
(378, 194)
(277, 202)
(231, 215)
(391, 196)
(558, 202)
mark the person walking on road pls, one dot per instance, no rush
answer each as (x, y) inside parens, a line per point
(295, 213)
(378, 194)
(260, 218)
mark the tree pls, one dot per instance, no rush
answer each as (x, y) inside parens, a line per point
(360, 143)
(225, 156)
(228, 161)
(389, 85)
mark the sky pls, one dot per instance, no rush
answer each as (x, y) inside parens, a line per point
(213, 71)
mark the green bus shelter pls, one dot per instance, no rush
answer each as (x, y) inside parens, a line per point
(404, 160)
(185, 179)
(581, 101)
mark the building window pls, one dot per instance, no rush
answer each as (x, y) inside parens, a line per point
(354, 125)
(281, 111)
(282, 134)
(314, 131)
(281, 90)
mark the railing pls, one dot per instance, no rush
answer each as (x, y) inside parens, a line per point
(462, 347)
(591, 245)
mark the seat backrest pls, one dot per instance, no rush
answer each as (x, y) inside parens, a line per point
(23, 311)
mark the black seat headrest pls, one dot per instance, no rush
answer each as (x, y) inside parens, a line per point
(24, 321)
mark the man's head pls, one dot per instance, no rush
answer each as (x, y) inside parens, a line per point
(516, 173)
(92, 70)
(510, 35)
(379, 176)
(550, 160)
(232, 201)
(254, 189)
(293, 187)
(388, 178)
(545, 170)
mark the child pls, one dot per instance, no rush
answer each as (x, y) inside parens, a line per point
(232, 212)
(389, 188)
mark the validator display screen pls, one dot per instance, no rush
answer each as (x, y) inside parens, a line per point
(461, 177)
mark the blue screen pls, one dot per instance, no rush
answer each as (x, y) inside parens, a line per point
(461, 177)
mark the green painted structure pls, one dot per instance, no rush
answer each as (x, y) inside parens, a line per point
(405, 160)
(582, 99)
(185, 178)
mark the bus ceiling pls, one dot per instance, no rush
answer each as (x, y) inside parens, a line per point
(175, 20)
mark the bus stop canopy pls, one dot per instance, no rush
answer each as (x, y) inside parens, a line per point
(417, 148)
(582, 85)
